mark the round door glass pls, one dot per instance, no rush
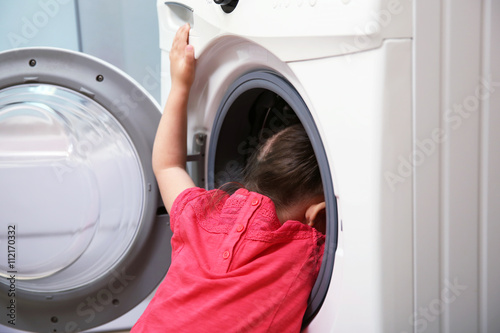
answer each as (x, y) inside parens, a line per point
(72, 188)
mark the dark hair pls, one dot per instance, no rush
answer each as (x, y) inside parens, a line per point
(284, 168)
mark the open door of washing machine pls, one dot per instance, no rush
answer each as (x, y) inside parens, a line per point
(81, 238)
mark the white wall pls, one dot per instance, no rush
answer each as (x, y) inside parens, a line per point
(121, 32)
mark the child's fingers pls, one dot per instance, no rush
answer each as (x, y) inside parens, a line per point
(189, 62)
(181, 38)
(189, 54)
(182, 62)
(183, 34)
(179, 43)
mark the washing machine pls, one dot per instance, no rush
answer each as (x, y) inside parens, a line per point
(410, 213)
(410, 182)
(343, 69)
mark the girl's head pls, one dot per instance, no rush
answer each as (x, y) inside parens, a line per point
(284, 168)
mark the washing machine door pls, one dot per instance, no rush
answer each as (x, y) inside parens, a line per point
(81, 240)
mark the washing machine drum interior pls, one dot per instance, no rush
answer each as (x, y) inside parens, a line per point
(83, 241)
(266, 114)
(256, 106)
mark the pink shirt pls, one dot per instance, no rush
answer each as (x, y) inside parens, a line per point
(234, 267)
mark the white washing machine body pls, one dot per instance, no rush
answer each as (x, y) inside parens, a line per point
(356, 87)
(360, 81)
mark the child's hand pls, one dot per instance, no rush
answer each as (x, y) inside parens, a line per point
(182, 62)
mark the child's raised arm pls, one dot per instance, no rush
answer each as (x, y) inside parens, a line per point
(169, 150)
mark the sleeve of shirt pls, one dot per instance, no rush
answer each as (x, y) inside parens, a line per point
(187, 196)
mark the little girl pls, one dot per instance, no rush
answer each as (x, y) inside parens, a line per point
(245, 262)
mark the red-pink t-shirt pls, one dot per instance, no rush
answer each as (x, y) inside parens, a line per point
(234, 267)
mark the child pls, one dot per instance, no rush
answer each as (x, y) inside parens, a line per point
(246, 262)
